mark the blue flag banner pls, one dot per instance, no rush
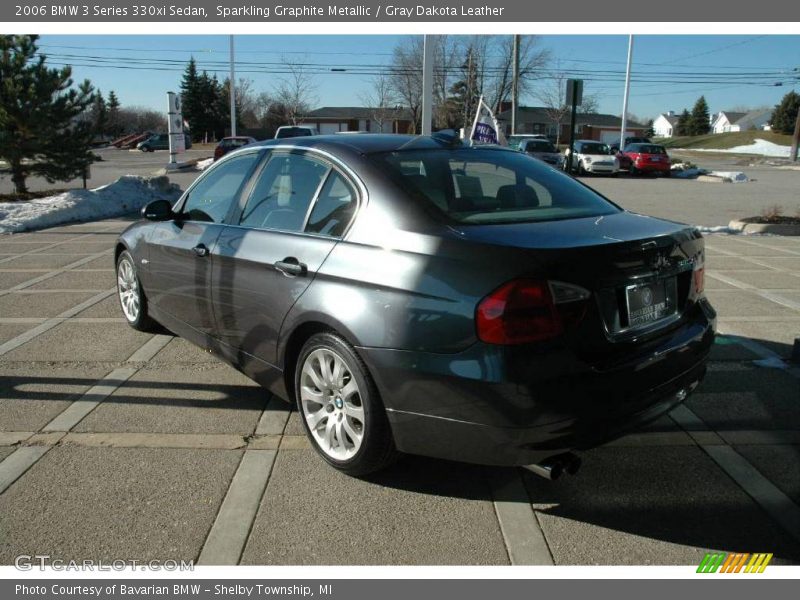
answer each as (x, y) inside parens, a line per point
(485, 128)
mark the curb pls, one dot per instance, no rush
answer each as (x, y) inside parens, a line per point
(772, 228)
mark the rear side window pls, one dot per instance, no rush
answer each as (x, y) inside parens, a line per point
(214, 193)
(283, 192)
(334, 208)
(482, 186)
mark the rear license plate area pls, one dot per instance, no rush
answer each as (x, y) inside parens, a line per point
(649, 303)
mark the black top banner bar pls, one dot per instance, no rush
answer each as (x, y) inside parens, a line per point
(460, 11)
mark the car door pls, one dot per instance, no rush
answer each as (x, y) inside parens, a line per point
(298, 208)
(180, 250)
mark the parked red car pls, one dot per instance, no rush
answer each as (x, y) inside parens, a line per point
(231, 143)
(645, 158)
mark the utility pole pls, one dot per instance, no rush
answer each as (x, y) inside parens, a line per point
(232, 87)
(427, 84)
(625, 97)
(515, 87)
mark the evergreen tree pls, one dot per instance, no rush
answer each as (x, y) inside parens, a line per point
(650, 132)
(682, 126)
(114, 125)
(784, 116)
(700, 124)
(43, 126)
(191, 103)
(99, 114)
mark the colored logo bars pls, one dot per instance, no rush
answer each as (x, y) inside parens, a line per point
(734, 563)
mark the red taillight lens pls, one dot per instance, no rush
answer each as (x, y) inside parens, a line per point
(525, 311)
(699, 274)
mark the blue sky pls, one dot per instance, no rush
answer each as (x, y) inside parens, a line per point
(732, 71)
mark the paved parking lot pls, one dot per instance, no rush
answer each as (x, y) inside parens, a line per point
(121, 445)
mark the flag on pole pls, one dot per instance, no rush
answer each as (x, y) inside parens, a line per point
(485, 128)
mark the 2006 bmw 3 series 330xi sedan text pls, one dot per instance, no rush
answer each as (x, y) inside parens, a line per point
(412, 294)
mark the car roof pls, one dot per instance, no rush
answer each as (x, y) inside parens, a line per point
(367, 143)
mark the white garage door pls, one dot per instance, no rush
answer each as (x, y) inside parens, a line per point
(609, 136)
(328, 128)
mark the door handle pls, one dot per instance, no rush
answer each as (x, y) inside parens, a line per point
(291, 267)
(200, 250)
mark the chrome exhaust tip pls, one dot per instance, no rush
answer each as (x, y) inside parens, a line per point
(554, 467)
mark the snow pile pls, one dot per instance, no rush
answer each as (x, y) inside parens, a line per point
(759, 146)
(126, 195)
(202, 165)
(733, 176)
(717, 229)
(690, 173)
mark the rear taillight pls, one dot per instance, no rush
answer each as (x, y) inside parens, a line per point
(526, 310)
(699, 275)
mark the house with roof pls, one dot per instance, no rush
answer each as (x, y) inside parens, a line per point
(588, 126)
(333, 119)
(723, 121)
(664, 125)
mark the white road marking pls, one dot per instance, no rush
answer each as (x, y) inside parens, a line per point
(54, 273)
(47, 325)
(152, 347)
(228, 535)
(19, 461)
(274, 418)
(523, 536)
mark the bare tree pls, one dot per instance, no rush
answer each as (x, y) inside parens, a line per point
(552, 95)
(296, 92)
(381, 100)
(406, 77)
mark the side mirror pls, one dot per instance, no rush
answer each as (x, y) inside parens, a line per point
(158, 210)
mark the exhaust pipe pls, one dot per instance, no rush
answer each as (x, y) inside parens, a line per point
(554, 467)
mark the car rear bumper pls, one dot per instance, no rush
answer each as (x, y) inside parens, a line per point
(479, 406)
(655, 167)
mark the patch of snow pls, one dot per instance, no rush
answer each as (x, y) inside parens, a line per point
(202, 165)
(734, 176)
(717, 229)
(126, 195)
(689, 173)
(759, 146)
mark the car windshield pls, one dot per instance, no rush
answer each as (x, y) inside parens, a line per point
(594, 149)
(483, 186)
(648, 149)
(540, 146)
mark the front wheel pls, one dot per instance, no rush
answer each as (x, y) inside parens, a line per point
(581, 169)
(340, 407)
(131, 297)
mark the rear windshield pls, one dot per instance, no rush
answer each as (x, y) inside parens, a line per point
(540, 146)
(288, 132)
(482, 186)
(646, 149)
(594, 149)
(234, 142)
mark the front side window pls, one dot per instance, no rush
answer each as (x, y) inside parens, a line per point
(211, 198)
(283, 192)
(483, 186)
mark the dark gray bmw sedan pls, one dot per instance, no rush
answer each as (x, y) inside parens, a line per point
(412, 294)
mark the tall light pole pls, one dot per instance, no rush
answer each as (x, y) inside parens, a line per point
(515, 87)
(427, 83)
(232, 87)
(627, 93)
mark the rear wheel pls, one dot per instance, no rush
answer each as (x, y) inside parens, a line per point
(581, 169)
(340, 407)
(131, 297)
(633, 171)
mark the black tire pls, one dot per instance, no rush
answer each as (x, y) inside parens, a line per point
(142, 321)
(667, 173)
(581, 169)
(377, 449)
(633, 171)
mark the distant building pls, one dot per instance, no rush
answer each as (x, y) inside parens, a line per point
(664, 125)
(332, 119)
(588, 126)
(724, 121)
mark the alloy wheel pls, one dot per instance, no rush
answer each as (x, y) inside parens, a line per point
(331, 404)
(128, 288)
